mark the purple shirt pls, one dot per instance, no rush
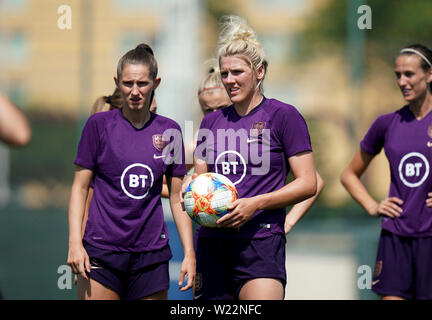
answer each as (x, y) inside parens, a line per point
(407, 143)
(128, 164)
(253, 151)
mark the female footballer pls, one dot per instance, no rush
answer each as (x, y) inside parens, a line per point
(212, 96)
(404, 257)
(125, 251)
(255, 142)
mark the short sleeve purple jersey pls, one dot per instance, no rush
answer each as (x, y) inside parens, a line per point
(253, 152)
(407, 143)
(129, 164)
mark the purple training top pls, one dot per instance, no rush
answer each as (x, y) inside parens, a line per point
(407, 144)
(128, 164)
(253, 151)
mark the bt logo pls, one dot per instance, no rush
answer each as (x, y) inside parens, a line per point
(136, 180)
(413, 169)
(231, 163)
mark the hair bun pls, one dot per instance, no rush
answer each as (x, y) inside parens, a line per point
(144, 47)
(212, 65)
(238, 38)
(236, 28)
(212, 79)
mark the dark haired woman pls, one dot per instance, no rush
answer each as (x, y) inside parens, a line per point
(404, 258)
(125, 251)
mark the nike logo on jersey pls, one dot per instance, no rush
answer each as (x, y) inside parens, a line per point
(157, 157)
(375, 282)
(251, 140)
(429, 144)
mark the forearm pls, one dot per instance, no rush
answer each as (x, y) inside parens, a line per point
(357, 190)
(14, 127)
(76, 214)
(296, 191)
(86, 211)
(184, 226)
(181, 219)
(299, 210)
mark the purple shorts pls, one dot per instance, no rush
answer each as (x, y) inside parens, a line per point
(403, 267)
(224, 265)
(131, 275)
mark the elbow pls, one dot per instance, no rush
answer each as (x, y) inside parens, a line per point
(23, 138)
(314, 189)
(320, 184)
(344, 178)
(310, 190)
(18, 141)
(19, 138)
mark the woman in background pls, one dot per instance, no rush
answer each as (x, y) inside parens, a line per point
(404, 258)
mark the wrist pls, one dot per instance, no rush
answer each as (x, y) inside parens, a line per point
(261, 201)
(372, 209)
(189, 254)
(75, 242)
(289, 225)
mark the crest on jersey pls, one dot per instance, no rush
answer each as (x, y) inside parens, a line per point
(158, 142)
(257, 128)
(429, 131)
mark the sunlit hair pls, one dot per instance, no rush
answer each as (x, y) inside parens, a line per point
(106, 103)
(212, 80)
(237, 38)
(142, 54)
(424, 53)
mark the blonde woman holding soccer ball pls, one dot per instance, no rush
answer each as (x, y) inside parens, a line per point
(244, 257)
